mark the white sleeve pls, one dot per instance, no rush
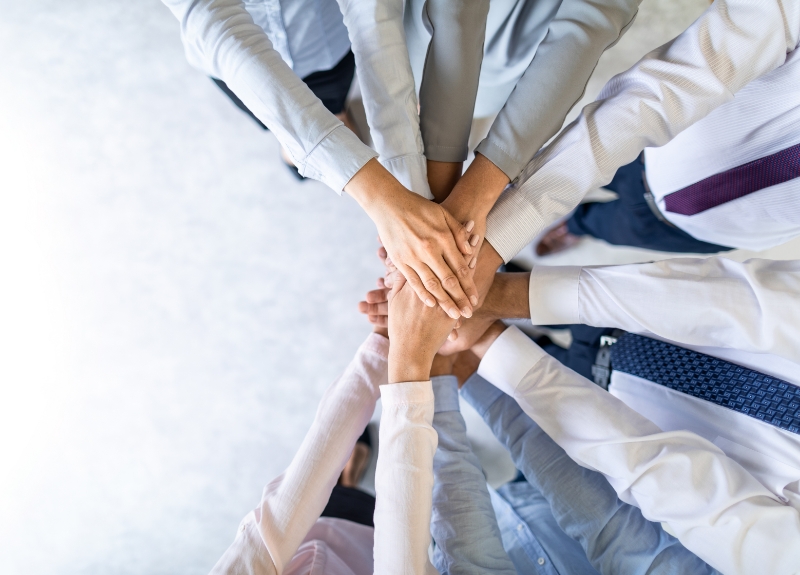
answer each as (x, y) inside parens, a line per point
(732, 43)
(270, 535)
(378, 40)
(714, 507)
(221, 39)
(752, 306)
(404, 479)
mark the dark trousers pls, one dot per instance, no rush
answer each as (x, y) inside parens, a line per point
(582, 354)
(629, 220)
(330, 86)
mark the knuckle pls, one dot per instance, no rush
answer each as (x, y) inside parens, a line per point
(450, 282)
(432, 284)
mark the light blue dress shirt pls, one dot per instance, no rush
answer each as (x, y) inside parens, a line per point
(614, 537)
(463, 524)
(310, 35)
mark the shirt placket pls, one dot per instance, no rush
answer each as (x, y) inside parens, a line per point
(277, 31)
(527, 540)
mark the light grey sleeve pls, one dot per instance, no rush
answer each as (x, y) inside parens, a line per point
(555, 80)
(450, 76)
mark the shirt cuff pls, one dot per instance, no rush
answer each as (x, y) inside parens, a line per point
(337, 158)
(480, 394)
(512, 224)
(445, 392)
(509, 359)
(406, 392)
(411, 171)
(511, 166)
(377, 344)
(553, 295)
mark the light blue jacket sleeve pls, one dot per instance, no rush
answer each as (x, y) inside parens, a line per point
(616, 537)
(463, 523)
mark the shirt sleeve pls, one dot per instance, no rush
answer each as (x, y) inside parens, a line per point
(450, 76)
(555, 80)
(269, 536)
(614, 535)
(714, 507)
(463, 525)
(752, 306)
(221, 39)
(404, 479)
(732, 43)
(378, 40)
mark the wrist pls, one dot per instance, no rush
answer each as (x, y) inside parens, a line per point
(408, 366)
(482, 184)
(488, 338)
(508, 297)
(372, 187)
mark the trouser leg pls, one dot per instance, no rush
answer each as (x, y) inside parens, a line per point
(629, 220)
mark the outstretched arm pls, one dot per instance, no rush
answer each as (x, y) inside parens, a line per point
(616, 537)
(404, 475)
(732, 43)
(269, 536)
(728, 519)
(751, 306)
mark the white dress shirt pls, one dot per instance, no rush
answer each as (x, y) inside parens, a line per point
(746, 313)
(223, 39)
(763, 119)
(731, 44)
(713, 505)
(285, 533)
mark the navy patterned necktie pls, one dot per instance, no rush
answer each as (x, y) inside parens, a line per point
(764, 397)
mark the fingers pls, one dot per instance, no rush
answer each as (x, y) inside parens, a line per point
(427, 287)
(460, 266)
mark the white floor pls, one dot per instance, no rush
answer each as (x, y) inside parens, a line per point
(172, 301)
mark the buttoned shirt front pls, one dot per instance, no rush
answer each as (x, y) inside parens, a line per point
(310, 35)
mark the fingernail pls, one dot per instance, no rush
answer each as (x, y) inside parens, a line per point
(466, 312)
(473, 299)
(473, 241)
(468, 248)
(429, 302)
(469, 226)
(454, 313)
(472, 263)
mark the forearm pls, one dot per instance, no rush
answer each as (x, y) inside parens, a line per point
(222, 39)
(450, 77)
(616, 537)
(463, 523)
(404, 479)
(555, 80)
(378, 42)
(293, 502)
(750, 306)
(667, 91)
(649, 468)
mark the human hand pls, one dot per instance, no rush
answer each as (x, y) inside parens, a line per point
(425, 242)
(474, 195)
(416, 331)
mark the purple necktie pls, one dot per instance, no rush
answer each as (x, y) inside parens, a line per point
(735, 183)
